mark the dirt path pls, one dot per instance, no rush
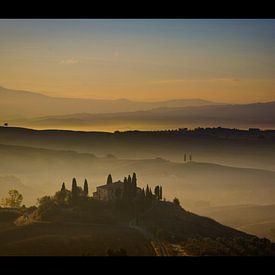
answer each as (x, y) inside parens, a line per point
(160, 248)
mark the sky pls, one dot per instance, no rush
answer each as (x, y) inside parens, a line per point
(218, 60)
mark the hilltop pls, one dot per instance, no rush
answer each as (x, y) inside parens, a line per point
(148, 226)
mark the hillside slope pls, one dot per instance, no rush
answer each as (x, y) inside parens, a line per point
(46, 169)
(254, 219)
(165, 222)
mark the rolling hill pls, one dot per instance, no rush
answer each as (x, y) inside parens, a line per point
(161, 228)
(46, 169)
(231, 147)
(253, 219)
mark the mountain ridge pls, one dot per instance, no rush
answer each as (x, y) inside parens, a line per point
(253, 115)
(25, 104)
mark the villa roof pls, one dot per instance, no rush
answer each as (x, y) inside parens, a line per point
(111, 185)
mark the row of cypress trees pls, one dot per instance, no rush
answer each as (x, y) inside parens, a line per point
(129, 190)
(185, 158)
(130, 180)
(148, 194)
(77, 190)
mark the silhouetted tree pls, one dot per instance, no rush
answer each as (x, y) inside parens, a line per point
(63, 188)
(185, 157)
(109, 179)
(14, 199)
(129, 179)
(176, 201)
(160, 193)
(63, 197)
(134, 180)
(156, 192)
(147, 193)
(86, 188)
(74, 185)
(74, 190)
(125, 180)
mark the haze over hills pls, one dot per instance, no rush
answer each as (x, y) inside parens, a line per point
(246, 115)
(26, 109)
(114, 133)
(254, 219)
(45, 169)
(233, 147)
(23, 104)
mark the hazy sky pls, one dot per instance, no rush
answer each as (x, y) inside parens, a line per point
(221, 60)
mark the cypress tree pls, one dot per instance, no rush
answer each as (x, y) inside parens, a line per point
(160, 193)
(134, 180)
(74, 185)
(125, 180)
(109, 179)
(129, 179)
(156, 191)
(63, 188)
(86, 188)
(147, 193)
(74, 190)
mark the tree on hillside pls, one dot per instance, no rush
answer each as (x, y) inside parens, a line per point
(109, 179)
(147, 192)
(134, 180)
(129, 179)
(176, 201)
(46, 203)
(63, 197)
(86, 188)
(156, 192)
(14, 199)
(160, 193)
(63, 188)
(74, 190)
(74, 185)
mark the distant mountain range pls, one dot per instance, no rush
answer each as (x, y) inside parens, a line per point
(24, 104)
(261, 115)
(28, 109)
